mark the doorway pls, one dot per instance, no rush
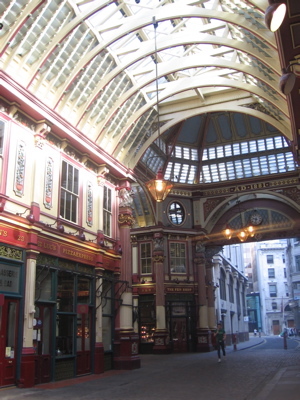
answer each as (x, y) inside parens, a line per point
(42, 327)
(83, 336)
(9, 313)
(182, 326)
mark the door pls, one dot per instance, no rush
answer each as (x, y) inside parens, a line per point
(42, 342)
(83, 342)
(179, 335)
(8, 341)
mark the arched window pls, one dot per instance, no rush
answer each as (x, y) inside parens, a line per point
(223, 285)
(231, 295)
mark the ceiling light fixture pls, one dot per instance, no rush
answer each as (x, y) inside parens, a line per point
(274, 15)
(287, 80)
(158, 187)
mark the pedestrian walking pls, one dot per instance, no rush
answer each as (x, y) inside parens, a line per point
(220, 336)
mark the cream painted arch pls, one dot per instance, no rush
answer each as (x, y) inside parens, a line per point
(184, 85)
(187, 63)
(135, 23)
(174, 40)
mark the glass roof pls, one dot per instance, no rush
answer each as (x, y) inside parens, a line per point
(187, 86)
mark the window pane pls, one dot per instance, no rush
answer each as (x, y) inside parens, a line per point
(64, 335)
(65, 291)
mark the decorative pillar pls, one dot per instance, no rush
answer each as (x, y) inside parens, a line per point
(99, 348)
(203, 333)
(27, 373)
(126, 340)
(161, 335)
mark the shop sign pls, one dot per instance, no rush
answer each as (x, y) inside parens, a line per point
(9, 278)
(179, 289)
(13, 236)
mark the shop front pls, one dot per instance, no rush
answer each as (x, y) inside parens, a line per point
(64, 319)
(11, 301)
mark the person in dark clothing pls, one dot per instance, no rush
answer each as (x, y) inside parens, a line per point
(220, 336)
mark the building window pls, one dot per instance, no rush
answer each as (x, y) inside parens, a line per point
(223, 285)
(178, 257)
(270, 259)
(274, 305)
(271, 273)
(297, 262)
(69, 192)
(283, 258)
(231, 296)
(286, 290)
(273, 290)
(107, 214)
(176, 213)
(1, 136)
(284, 272)
(146, 258)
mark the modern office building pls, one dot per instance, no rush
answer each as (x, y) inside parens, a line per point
(97, 100)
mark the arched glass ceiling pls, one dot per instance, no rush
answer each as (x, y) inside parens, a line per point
(94, 63)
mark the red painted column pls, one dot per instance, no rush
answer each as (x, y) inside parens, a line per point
(126, 340)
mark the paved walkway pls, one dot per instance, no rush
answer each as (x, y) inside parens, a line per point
(248, 373)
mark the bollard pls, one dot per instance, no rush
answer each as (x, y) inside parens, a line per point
(285, 340)
(234, 341)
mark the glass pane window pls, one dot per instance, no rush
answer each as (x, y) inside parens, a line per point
(176, 213)
(146, 258)
(107, 212)
(270, 259)
(83, 290)
(297, 262)
(1, 136)
(43, 285)
(271, 273)
(64, 335)
(69, 194)
(65, 291)
(273, 290)
(178, 257)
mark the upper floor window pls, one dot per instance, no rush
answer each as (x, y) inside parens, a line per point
(146, 258)
(273, 290)
(271, 273)
(274, 305)
(69, 193)
(107, 213)
(222, 285)
(2, 125)
(283, 258)
(297, 262)
(178, 257)
(176, 213)
(284, 272)
(231, 296)
(270, 259)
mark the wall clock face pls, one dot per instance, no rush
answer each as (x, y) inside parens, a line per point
(255, 218)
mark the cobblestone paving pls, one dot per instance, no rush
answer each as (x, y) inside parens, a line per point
(242, 376)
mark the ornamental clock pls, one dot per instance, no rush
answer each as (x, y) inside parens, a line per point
(255, 218)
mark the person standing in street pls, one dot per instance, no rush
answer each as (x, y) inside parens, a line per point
(220, 336)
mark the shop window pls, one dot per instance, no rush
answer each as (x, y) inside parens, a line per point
(273, 290)
(64, 335)
(178, 257)
(146, 258)
(69, 194)
(271, 273)
(147, 319)
(83, 290)
(65, 292)
(107, 303)
(107, 212)
(44, 284)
